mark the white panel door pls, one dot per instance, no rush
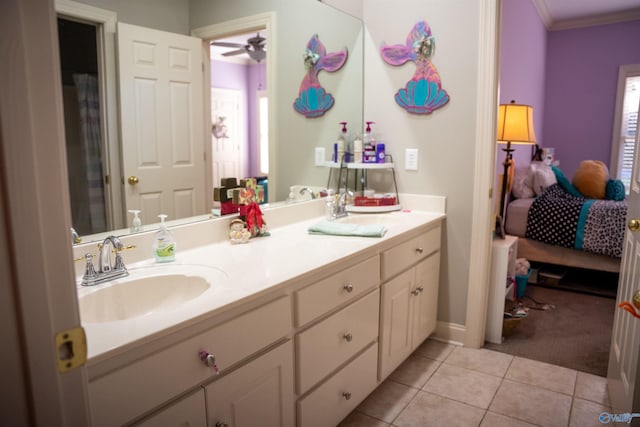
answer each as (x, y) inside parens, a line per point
(161, 104)
(227, 152)
(623, 373)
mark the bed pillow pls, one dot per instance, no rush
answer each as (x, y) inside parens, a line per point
(564, 183)
(522, 184)
(591, 179)
(542, 177)
(614, 190)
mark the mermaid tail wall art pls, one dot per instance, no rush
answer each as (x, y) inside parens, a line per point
(423, 93)
(313, 100)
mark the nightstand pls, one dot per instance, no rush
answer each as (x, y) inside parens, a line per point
(503, 266)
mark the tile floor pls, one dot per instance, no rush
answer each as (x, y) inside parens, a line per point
(446, 385)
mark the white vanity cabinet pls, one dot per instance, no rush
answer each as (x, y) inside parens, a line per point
(136, 389)
(409, 299)
(186, 412)
(259, 393)
(336, 356)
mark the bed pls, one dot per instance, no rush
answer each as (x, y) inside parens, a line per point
(556, 227)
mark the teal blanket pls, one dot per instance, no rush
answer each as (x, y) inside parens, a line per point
(342, 229)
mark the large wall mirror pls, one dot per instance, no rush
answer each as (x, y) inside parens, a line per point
(99, 187)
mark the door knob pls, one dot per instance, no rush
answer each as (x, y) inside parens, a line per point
(133, 180)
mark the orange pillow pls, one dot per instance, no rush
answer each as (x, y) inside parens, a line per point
(591, 179)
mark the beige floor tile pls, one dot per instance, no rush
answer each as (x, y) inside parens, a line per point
(545, 375)
(415, 371)
(427, 410)
(386, 401)
(464, 385)
(481, 360)
(586, 414)
(491, 419)
(435, 349)
(532, 404)
(358, 419)
(592, 387)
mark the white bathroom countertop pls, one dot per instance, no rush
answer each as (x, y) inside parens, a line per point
(250, 271)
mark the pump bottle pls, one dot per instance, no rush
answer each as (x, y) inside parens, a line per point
(164, 246)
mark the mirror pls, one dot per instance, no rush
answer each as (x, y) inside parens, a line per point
(292, 137)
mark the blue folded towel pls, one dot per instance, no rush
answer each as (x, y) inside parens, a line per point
(342, 229)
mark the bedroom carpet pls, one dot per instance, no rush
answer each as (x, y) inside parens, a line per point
(576, 333)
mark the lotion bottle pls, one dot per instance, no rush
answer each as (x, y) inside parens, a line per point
(357, 149)
(164, 246)
(341, 144)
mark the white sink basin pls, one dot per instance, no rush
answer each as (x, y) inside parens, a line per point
(370, 219)
(146, 291)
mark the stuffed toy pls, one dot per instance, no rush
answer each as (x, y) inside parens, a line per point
(522, 267)
(591, 179)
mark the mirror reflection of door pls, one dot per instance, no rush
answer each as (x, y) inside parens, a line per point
(82, 118)
(238, 82)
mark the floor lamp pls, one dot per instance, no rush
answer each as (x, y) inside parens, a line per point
(515, 126)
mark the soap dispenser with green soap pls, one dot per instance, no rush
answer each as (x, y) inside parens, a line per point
(164, 246)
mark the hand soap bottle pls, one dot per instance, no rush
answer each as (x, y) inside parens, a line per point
(369, 152)
(164, 246)
(136, 224)
(340, 145)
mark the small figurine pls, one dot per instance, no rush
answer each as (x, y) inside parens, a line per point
(238, 232)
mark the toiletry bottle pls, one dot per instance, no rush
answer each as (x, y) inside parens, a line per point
(357, 149)
(136, 223)
(369, 145)
(164, 246)
(380, 153)
(341, 143)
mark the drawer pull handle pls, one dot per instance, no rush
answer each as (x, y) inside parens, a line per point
(209, 360)
(415, 292)
(347, 395)
(419, 250)
(348, 337)
(348, 287)
(420, 289)
(221, 424)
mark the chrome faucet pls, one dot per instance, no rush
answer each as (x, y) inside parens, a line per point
(106, 271)
(307, 190)
(341, 205)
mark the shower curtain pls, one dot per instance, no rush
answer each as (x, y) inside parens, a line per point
(89, 103)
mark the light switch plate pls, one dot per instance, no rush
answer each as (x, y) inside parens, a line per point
(320, 156)
(411, 159)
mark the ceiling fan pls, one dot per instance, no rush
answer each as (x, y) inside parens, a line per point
(255, 47)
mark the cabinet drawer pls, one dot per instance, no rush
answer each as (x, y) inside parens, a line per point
(328, 404)
(188, 411)
(408, 253)
(323, 296)
(325, 346)
(129, 392)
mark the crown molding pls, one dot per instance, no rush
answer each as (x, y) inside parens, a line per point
(543, 13)
(589, 21)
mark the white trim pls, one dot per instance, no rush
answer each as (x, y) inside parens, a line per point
(450, 332)
(105, 21)
(543, 12)
(482, 222)
(36, 203)
(237, 26)
(590, 21)
(624, 71)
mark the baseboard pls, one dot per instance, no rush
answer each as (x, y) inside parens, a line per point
(452, 333)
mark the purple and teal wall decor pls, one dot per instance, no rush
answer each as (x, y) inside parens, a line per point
(313, 100)
(423, 93)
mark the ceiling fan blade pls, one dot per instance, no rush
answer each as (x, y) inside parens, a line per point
(234, 52)
(227, 44)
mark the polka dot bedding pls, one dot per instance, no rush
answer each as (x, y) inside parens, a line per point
(559, 218)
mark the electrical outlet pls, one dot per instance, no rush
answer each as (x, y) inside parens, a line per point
(411, 159)
(320, 156)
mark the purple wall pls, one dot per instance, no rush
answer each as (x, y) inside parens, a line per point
(582, 76)
(247, 79)
(523, 40)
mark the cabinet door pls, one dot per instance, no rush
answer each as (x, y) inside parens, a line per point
(396, 320)
(426, 300)
(187, 412)
(259, 393)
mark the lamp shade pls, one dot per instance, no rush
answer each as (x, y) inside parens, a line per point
(515, 124)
